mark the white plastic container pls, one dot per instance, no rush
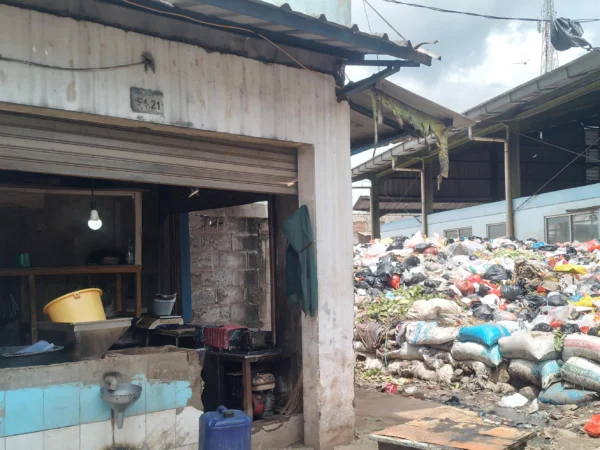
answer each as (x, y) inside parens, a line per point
(162, 305)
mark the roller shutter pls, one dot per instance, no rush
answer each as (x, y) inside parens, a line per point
(71, 148)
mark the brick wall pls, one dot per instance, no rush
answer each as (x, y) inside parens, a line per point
(230, 267)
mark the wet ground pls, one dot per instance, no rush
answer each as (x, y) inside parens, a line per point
(557, 428)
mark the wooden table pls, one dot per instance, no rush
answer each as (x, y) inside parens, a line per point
(175, 333)
(28, 275)
(246, 359)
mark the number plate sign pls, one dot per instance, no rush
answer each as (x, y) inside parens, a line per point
(146, 101)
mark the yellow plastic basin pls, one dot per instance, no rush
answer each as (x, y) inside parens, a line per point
(79, 306)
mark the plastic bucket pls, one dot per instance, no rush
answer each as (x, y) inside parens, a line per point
(162, 307)
(79, 306)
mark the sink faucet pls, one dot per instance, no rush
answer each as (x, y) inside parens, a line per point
(111, 382)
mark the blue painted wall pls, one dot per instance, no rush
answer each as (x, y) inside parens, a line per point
(63, 405)
(529, 220)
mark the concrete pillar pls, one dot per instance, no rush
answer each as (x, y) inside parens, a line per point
(514, 150)
(375, 215)
(327, 355)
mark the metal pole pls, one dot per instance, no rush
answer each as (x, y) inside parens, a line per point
(423, 209)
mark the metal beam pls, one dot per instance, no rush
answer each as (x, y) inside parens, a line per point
(383, 63)
(353, 88)
(363, 145)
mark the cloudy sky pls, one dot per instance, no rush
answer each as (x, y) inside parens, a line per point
(481, 58)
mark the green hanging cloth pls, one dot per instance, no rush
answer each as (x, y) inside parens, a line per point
(300, 266)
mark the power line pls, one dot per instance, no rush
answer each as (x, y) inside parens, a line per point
(557, 174)
(382, 18)
(485, 16)
(558, 147)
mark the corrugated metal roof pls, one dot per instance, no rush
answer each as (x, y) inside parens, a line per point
(397, 205)
(282, 25)
(522, 98)
(361, 116)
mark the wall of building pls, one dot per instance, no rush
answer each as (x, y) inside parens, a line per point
(336, 10)
(229, 253)
(529, 220)
(58, 407)
(214, 92)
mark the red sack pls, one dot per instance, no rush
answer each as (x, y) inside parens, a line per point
(395, 281)
(474, 278)
(592, 428)
(556, 324)
(465, 287)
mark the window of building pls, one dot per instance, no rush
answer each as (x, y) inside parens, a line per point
(572, 227)
(496, 230)
(458, 233)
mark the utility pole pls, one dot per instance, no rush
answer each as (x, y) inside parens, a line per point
(549, 55)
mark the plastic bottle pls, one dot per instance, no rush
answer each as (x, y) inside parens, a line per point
(130, 258)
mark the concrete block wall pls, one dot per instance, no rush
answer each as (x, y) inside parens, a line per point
(230, 267)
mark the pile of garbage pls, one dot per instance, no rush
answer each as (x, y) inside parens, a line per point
(524, 314)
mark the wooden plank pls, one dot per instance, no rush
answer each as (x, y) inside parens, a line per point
(441, 412)
(61, 191)
(76, 270)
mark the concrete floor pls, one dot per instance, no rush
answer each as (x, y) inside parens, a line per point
(376, 411)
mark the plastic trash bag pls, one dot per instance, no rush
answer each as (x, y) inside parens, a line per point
(406, 352)
(582, 372)
(496, 273)
(557, 299)
(412, 261)
(582, 346)
(511, 291)
(385, 268)
(592, 428)
(370, 280)
(557, 394)
(566, 34)
(594, 331)
(546, 248)
(416, 239)
(413, 278)
(545, 327)
(363, 273)
(570, 328)
(472, 351)
(420, 248)
(481, 311)
(533, 346)
(498, 315)
(487, 334)
(513, 401)
(433, 284)
(398, 243)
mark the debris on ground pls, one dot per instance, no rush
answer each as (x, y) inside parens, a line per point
(507, 328)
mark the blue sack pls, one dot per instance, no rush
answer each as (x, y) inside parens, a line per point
(557, 394)
(486, 334)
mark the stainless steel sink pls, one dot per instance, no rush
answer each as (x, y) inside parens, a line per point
(121, 398)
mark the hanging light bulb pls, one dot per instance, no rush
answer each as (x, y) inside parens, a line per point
(94, 223)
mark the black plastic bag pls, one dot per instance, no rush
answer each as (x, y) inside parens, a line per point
(546, 248)
(415, 278)
(400, 268)
(420, 248)
(483, 290)
(432, 283)
(398, 243)
(566, 34)
(496, 273)
(370, 280)
(543, 327)
(362, 285)
(557, 300)
(595, 331)
(535, 301)
(509, 246)
(9, 309)
(570, 328)
(380, 284)
(571, 251)
(385, 267)
(511, 291)
(412, 261)
(363, 273)
(481, 311)
(429, 291)
(528, 316)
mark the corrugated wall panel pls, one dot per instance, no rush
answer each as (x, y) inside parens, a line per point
(66, 148)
